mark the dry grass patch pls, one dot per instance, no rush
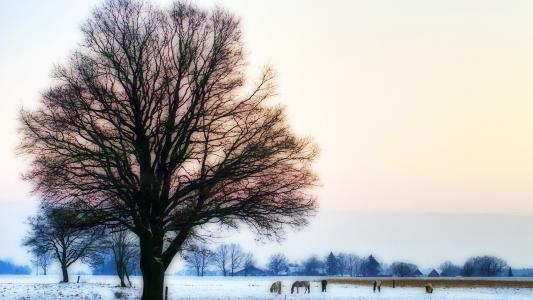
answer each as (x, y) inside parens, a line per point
(439, 282)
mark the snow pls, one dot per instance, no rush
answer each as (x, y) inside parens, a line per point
(242, 288)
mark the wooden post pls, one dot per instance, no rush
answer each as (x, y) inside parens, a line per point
(78, 279)
(166, 293)
(393, 284)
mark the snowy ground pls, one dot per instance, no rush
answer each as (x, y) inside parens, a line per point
(209, 288)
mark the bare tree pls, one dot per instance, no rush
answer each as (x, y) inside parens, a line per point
(236, 258)
(342, 263)
(354, 264)
(469, 268)
(42, 258)
(402, 269)
(222, 258)
(449, 269)
(53, 230)
(484, 266)
(152, 125)
(125, 250)
(278, 263)
(198, 258)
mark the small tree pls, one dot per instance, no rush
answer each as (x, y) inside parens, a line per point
(354, 264)
(198, 258)
(278, 263)
(124, 248)
(42, 258)
(222, 258)
(53, 230)
(469, 268)
(236, 258)
(343, 264)
(449, 269)
(403, 269)
(510, 272)
(332, 267)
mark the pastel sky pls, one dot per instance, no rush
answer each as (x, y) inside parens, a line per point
(423, 111)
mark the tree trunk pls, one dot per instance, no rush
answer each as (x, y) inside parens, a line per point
(128, 277)
(122, 282)
(120, 274)
(152, 270)
(65, 273)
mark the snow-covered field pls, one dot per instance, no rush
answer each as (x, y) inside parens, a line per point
(244, 288)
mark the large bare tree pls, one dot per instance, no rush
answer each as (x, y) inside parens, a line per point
(152, 124)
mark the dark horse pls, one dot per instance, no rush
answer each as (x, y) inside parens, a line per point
(324, 284)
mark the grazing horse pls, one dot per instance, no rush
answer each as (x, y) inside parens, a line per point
(299, 284)
(429, 288)
(276, 287)
(377, 284)
(324, 284)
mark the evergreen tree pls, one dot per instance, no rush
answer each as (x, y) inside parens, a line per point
(371, 267)
(332, 267)
(510, 272)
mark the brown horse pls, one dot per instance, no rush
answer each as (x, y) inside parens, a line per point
(276, 287)
(299, 284)
(429, 288)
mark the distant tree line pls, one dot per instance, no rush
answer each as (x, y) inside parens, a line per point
(231, 260)
(201, 261)
(8, 267)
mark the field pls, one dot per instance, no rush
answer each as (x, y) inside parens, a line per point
(245, 288)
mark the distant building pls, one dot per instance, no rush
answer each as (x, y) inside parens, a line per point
(295, 269)
(417, 273)
(433, 273)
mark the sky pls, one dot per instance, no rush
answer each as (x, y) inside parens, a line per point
(422, 110)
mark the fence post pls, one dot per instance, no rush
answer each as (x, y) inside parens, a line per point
(78, 279)
(166, 293)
